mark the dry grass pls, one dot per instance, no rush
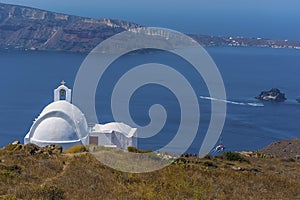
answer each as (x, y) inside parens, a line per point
(129, 161)
(81, 176)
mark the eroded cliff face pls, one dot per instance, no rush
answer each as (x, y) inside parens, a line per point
(34, 29)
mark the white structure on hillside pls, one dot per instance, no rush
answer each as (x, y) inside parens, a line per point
(63, 123)
(113, 134)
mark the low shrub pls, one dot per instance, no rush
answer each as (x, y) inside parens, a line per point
(13, 168)
(181, 160)
(234, 156)
(188, 155)
(261, 155)
(210, 164)
(208, 156)
(136, 150)
(7, 176)
(8, 173)
(50, 192)
(8, 198)
(76, 149)
(288, 160)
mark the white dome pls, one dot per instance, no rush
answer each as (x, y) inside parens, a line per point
(58, 130)
(59, 123)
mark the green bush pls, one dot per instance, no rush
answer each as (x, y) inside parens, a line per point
(234, 156)
(8, 198)
(181, 160)
(208, 156)
(188, 155)
(136, 150)
(13, 168)
(50, 192)
(7, 176)
(288, 160)
(76, 149)
(210, 164)
(8, 173)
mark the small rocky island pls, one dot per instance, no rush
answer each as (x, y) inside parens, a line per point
(272, 95)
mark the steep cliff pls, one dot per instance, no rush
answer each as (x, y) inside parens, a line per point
(34, 29)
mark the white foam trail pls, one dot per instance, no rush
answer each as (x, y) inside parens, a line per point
(256, 104)
(233, 102)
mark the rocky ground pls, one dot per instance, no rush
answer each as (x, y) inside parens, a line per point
(284, 149)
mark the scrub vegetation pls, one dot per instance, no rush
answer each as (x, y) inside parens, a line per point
(30, 172)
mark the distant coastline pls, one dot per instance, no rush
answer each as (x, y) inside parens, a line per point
(30, 29)
(246, 42)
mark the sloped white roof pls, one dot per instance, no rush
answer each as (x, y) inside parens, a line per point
(114, 127)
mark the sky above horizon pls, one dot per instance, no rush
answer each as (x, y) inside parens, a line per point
(248, 18)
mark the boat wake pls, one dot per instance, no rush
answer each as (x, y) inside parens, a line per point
(233, 102)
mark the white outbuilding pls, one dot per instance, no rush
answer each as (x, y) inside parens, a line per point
(113, 135)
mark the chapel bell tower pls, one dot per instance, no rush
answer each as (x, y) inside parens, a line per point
(62, 93)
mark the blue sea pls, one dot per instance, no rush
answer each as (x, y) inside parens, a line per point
(27, 80)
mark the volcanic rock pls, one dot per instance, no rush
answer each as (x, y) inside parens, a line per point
(272, 95)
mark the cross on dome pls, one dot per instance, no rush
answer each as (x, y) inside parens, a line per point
(63, 82)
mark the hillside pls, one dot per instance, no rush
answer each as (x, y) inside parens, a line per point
(24, 28)
(284, 148)
(30, 172)
(34, 29)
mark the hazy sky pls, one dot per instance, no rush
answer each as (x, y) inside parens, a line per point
(257, 18)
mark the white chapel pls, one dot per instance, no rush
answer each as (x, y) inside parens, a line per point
(63, 123)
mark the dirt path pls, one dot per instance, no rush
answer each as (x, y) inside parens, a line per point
(53, 178)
